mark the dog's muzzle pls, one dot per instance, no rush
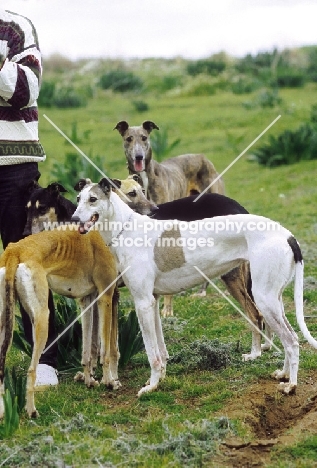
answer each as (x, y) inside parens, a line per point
(139, 163)
(83, 228)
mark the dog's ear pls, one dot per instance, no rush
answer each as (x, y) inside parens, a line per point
(81, 184)
(122, 127)
(105, 185)
(56, 188)
(33, 185)
(148, 125)
(116, 182)
(136, 177)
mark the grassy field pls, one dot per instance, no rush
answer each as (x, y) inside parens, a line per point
(227, 417)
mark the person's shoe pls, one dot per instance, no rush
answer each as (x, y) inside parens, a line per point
(46, 376)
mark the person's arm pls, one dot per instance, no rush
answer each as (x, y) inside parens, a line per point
(20, 62)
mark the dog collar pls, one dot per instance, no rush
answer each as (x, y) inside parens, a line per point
(119, 234)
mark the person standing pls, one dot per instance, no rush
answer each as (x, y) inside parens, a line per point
(21, 150)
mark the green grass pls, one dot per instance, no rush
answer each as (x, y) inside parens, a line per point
(88, 427)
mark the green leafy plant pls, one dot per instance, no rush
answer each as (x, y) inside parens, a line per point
(204, 354)
(67, 97)
(11, 416)
(289, 147)
(160, 145)
(16, 384)
(121, 81)
(140, 106)
(69, 344)
(130, 337)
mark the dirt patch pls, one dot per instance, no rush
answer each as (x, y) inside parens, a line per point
(271, 420)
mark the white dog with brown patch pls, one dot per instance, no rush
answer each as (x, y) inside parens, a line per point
(167, 259)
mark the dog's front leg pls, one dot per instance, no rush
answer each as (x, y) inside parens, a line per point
(160, 336)
(149, 320)
(105, 330)
(167, 310)
(87, 328)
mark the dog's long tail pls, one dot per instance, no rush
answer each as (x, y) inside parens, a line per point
(298, 290)
(7, 317)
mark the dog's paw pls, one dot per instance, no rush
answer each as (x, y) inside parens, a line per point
(167, 312)
(199, 294)
(280, 375)
(79, 377)
(250, 357)
(33, 414)
(91, 382)
(147, 389)
(287, 388)
(266, 346)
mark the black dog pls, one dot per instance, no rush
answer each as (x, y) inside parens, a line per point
(46, 205)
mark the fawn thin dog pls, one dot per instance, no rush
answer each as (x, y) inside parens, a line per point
(70, 265)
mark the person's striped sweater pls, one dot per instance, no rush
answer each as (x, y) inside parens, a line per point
(20, 75)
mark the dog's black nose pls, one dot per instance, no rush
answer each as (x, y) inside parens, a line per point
(154, 208)
(139, 157)
(75, 219)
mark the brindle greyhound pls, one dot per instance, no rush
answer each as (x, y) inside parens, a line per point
(169, 180)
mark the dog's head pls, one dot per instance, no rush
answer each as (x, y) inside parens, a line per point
(93, 203)
(132, 193)
(46, 205)
(136, 143)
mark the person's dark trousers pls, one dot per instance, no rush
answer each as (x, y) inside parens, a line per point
(14, 180)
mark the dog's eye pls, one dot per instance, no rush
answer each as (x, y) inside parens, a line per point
(129, 139)
(132, 194)
(92, 199)
(78, 198)
(143, 191)
(144, 138)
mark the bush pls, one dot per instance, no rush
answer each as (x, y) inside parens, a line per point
(120, 81)
(47, 93)
(289, 78)
(289, 147)
(140, 106)
(204, 354)
(208, 67)
(68, 97)
(160, 146)
(245, 85)
(269, 98)
(256, 64)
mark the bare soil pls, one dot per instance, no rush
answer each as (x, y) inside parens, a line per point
(271, 419)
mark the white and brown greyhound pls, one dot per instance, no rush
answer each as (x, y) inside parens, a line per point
(169, 259)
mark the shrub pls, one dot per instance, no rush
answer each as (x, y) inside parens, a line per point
(269, 98)
(160, 146)
(120, 81)
(204, 354)
(245, 85)
(68, 97)
(289, 147)
(130, 337)
(289, 78)
(140, 106)
(208, 67)
(47, 93)
(256, 64)
(11, 416)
